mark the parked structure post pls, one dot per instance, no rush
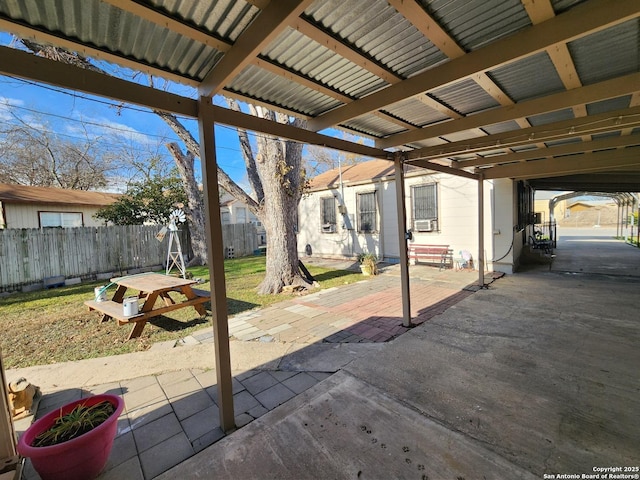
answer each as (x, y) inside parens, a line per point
(402, 239)
(215, 256)
(481, 230)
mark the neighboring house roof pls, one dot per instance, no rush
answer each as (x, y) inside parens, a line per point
(591, 203)
(359, 173)
(22, 194)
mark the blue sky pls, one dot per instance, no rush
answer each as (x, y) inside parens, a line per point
(68, 112)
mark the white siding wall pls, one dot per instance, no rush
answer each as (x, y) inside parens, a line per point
(345, 242)
(457, 212)
(26, 215)
(504, 218)
(457, 220)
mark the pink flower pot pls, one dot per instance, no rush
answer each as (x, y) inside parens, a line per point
(82, 458)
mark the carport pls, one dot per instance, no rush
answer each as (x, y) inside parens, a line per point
(535, 94)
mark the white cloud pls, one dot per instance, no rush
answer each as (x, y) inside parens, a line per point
(101, 127)
(6, 104)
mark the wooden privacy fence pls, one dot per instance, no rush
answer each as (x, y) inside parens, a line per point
(28, 256)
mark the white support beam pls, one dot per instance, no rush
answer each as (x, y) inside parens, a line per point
(615, 87)
(262, 31)
(581, 20)
(554, 167)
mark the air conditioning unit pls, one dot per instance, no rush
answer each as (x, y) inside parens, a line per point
(329, 228)
(424, 225)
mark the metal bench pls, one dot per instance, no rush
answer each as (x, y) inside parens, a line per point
(440, 255)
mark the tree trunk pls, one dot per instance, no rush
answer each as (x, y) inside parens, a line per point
(279, 166)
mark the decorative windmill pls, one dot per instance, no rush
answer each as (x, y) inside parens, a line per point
(174, 253)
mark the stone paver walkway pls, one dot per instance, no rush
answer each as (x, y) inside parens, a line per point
(172, 416)
(367, 311)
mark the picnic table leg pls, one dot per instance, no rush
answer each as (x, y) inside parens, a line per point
(136, 331)
(190, 294)
(138, 326)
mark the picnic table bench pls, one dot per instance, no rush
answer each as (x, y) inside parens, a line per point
(440, 255)
(150, 287)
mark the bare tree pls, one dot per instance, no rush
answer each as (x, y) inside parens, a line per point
(31, 154)
(275, 174)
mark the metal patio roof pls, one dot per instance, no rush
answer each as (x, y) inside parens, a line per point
(542, 90)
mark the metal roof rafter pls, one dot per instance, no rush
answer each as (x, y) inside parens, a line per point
(593, 16)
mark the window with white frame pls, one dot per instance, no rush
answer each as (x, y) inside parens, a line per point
(425, 207)
(60, 219)
(367, 212)
(328, 212)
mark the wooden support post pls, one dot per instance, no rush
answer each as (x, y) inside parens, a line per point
(215, 255)
(481, 230)
(402, 239)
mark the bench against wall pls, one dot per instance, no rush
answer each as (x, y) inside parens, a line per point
(440, 255)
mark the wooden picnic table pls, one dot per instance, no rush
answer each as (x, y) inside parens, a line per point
(150, 287)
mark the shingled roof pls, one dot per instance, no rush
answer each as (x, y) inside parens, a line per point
(364, 172)
(22, 194)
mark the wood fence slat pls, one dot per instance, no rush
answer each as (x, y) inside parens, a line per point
(29, 255)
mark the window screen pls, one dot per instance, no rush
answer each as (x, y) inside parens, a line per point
(328, 211)
(367, 212)
(425, 202)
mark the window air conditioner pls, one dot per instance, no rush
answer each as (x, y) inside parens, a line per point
(329, 228)
(424, 225)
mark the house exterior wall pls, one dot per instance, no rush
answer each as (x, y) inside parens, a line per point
(503, 243)
(457, 219)
(26, 215)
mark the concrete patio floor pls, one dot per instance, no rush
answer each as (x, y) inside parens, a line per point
(536, 375)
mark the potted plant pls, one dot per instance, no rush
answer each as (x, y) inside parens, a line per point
(74, 441)
(368, 263)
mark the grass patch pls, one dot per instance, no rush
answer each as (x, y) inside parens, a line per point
(51, 326)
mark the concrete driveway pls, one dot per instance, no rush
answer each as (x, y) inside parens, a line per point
(536, 377)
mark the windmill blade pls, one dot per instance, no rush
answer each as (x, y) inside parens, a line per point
(177, 216)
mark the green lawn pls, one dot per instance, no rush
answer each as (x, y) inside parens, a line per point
(50, 326)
